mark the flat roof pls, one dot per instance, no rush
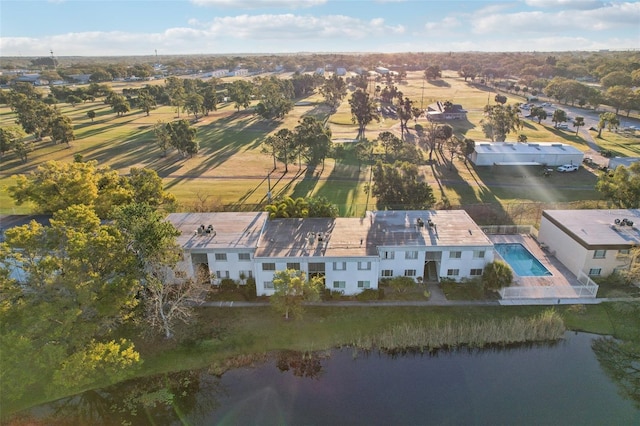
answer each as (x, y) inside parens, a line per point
(597, 229)
(452, 228)
(232, 230)
(525, 148)
(327, 237)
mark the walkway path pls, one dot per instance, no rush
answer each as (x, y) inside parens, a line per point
(436, 301)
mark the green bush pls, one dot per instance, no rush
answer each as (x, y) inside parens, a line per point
(467, 289)
(384, 282)
(496, 275)
(228, 285)
(336, 294)
(325, 294)
(402, 284)
(249, 290)
(368, 295)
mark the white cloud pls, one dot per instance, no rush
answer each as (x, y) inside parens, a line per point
(566, 4)
(290, 26)
(445, 25)
(257, 4)
(611, 16)
(243, 33)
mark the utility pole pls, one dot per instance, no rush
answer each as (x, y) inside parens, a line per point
(269, 186)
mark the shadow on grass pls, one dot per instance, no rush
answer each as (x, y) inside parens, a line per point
(439, 83)
(228, 136)
(341, 187)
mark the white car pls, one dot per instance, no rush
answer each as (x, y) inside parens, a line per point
(567, 168)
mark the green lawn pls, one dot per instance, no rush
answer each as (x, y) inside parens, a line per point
(231, 168)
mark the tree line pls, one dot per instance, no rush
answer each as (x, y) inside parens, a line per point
(69, 285)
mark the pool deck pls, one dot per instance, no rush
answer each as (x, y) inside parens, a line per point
(562, 280)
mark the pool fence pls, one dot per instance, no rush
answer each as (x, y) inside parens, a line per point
(587, 289)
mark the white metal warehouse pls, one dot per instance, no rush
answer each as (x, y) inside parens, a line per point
(538, 153)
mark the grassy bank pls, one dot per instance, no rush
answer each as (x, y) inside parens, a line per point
(227, 333)
(220, 339)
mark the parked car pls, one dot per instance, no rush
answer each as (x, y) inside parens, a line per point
(563, 126)
(567, 168)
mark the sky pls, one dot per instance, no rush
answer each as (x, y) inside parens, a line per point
(174, 27)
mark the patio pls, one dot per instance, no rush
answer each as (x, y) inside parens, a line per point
(562, 284)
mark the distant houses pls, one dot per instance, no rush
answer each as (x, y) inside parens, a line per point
(443, 111)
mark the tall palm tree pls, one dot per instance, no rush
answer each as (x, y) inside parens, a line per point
(577, 123)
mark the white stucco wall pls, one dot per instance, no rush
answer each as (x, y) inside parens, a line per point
(466, 262)
(613, 259)
(350, 275)
(563, 247)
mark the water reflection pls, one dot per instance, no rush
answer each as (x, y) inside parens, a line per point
(621, 361)
(302, 364)
(159, 400)
(558, 383)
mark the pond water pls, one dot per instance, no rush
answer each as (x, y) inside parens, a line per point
(562, 383)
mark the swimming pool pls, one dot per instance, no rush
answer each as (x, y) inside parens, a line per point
(521, 260)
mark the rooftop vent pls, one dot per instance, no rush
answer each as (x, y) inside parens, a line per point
(206, 230)
(623, 222)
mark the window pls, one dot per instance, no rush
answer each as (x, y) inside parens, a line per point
(594, 272)
(453, 272)
(339, 284)
(293, 265)
(268, 266)
(388, 255)
(624, 252)
(478, 254)
(599, 254)
(316, 267)
(364, 266)
(455, 254)
(364, 284)
(409, 272)
(476, 272)
(268, 285)
(247, 274)
(222, 274)
(221, 256)
(244, 256)
(387, 272)
(339, 266)
(410, 254)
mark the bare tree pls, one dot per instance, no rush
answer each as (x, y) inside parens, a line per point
(166, 302)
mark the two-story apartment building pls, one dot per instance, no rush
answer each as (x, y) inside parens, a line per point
(594, 242)
(350, 254)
